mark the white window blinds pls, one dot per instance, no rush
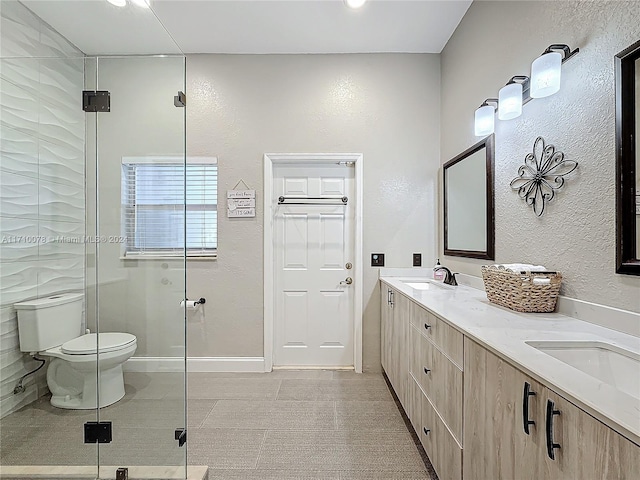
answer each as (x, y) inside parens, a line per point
(156, 194)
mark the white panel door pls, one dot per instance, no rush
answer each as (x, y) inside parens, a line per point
(313, 245)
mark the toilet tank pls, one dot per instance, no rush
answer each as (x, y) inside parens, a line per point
(49, 322)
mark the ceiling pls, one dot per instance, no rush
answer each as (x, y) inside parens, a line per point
(254, 26)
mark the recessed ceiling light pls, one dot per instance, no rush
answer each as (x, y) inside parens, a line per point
(141, 3)
(118, 3)
(355, 3)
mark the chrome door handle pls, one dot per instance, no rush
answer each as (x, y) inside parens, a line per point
(347, 281)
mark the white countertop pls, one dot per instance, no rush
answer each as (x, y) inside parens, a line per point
(504, 332)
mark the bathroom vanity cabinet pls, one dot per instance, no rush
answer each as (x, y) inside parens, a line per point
(394, 327)
(562, 442)
(472, 409)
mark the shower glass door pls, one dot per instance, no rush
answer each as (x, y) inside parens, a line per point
(140, 259)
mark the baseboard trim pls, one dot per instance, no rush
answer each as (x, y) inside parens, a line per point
(194, 364)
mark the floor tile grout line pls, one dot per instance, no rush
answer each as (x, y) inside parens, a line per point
(278, 391)
(215, 402)
(264, 439)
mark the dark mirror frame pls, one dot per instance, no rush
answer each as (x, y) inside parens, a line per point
(488, 144)
(627, 261)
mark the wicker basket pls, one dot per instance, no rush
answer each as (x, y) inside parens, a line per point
(517, 290)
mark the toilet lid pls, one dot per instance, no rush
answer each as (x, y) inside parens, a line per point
(108, 342)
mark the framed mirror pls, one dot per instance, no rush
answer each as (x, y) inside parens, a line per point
(469, 220)
(627, 65)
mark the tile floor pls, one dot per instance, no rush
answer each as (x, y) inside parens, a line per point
(309, 425)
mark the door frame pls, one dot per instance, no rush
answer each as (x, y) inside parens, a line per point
(270, 161)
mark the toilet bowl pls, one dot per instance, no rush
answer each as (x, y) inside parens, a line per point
(86, 370)
(71, 376)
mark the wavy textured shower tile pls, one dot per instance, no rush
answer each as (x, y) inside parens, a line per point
(19, 281)
(61, 90)
(20, 31)
(18, 196)
(23, 72)
(66, 240)
(15, 236)
(61, 125)
(18, 152)
(52, 44)
(61, 202)
(61, 164)
(18, 108)
(60, 275)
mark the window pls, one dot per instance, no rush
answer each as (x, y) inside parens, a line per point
(153, 206)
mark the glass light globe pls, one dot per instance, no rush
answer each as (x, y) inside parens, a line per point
(545, 75)
(485, 121)
(118, 3)
(355, 3)
(141, 3)
(510, 101)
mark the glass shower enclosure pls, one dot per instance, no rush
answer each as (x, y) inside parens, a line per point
(92, 224)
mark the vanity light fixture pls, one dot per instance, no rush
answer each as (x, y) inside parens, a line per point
(354, 3)
(118, 3)
(512, 96)
(546, 70)
(485, 118)
(544, 81)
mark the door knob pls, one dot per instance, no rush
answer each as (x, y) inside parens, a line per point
(347, 281)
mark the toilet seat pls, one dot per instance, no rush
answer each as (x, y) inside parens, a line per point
(106, 342)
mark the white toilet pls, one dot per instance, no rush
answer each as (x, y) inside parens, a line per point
(52, 327)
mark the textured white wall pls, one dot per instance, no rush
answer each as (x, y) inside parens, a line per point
(576, 235)
(41, 180)
(240, 107)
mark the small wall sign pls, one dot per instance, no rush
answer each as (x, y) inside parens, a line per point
(241, 203)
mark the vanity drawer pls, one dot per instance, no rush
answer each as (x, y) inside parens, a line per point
(447, 338)
(441, 380)
(441, 447)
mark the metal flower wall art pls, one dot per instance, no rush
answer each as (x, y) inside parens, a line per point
(541, 175)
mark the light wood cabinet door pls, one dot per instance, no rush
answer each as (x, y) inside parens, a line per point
(400, 346)
(414, 400)
(443, 386)
(496, 446)
(385, 310)
(587, 449)
(441, 447)
(443, 335)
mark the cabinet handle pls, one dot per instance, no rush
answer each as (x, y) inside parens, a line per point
(388, 296)
(525, 407)
(391, 301)
(426, 370)
(551, 446)
(427, 326)
(426, 430)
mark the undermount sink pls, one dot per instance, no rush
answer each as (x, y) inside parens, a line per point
(424, 284)
(613, 365)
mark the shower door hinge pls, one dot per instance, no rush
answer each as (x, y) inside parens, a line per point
(97, 432)
(96, 101)
(180, 100)
(181, 436)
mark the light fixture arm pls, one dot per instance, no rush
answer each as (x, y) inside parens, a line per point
(567, 53)
(490, 100)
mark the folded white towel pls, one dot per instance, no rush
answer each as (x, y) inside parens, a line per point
(523, 267)
(541, 281)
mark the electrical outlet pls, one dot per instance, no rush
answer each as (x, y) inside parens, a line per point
(417, 259)
(377, 259)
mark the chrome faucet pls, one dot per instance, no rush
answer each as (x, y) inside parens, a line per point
(449, 278)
